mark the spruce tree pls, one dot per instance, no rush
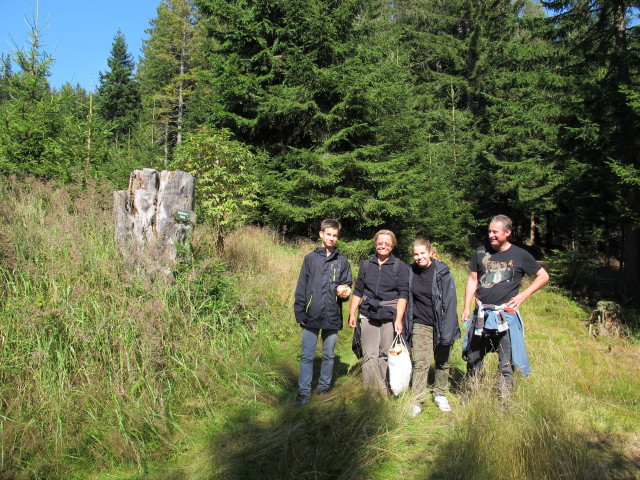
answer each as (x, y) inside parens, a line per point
(118, 97)
(520, 116)
(602, 127)
(84, 138)
(431, 133)
(5, 77)
(29, 114)
(328, 90)
(167, 70)
(295, 79)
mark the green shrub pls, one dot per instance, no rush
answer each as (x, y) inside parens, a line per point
(357, 250)
(573, 271)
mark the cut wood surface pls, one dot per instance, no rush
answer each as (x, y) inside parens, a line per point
(144, 215)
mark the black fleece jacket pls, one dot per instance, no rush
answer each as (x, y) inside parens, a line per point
(377, 283)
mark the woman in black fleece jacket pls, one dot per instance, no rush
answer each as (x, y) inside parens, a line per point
(380, 294)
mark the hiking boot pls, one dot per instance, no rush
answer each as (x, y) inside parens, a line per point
(442, 403)
(414, 410)
(323, 391)
(301, 400)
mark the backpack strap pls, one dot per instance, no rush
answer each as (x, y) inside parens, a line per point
(396, 266)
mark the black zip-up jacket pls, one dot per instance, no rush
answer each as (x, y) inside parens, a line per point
(377, 283)
(446, 329)
(317, 304)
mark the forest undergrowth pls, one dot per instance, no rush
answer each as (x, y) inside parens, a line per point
(109, 372)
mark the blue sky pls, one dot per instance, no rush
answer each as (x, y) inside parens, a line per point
(79, 33)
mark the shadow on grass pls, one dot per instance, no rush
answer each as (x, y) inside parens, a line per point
(335, 436)
(289, 374)
(456, 380)
(340, 369)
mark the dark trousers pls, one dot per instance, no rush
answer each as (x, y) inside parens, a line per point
(479, 347)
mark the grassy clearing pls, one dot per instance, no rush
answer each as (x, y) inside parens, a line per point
(99, 363)
(107, 373)
(576, 416)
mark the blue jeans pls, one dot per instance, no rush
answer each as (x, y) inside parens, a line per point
(309, 344)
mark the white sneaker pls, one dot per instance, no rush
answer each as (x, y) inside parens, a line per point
(442, 403)
(414, 410)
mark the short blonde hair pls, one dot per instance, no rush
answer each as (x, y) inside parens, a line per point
(423, 242)
(385, 232)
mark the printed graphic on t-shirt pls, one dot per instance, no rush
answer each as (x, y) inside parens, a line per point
(496, 272)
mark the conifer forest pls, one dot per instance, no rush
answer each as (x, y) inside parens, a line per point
(427, 117)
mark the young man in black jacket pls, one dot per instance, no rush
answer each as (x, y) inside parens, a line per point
(323, 285)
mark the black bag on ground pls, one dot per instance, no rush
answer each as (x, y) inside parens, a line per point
(356, 341)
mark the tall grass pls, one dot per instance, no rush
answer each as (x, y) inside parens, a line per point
(576, 416)
(108, 372)
(98, 361)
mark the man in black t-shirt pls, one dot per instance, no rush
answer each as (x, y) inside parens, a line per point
(494, 282)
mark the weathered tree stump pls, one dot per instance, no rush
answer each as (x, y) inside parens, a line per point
(606, 320)
(146, 223)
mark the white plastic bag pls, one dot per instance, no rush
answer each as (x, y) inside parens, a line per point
(399, 366)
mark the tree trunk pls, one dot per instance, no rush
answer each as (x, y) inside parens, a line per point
(628, 151)
(166, 141)
(145, 223)
(631, 253)
(183, 61)
(532, 229)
